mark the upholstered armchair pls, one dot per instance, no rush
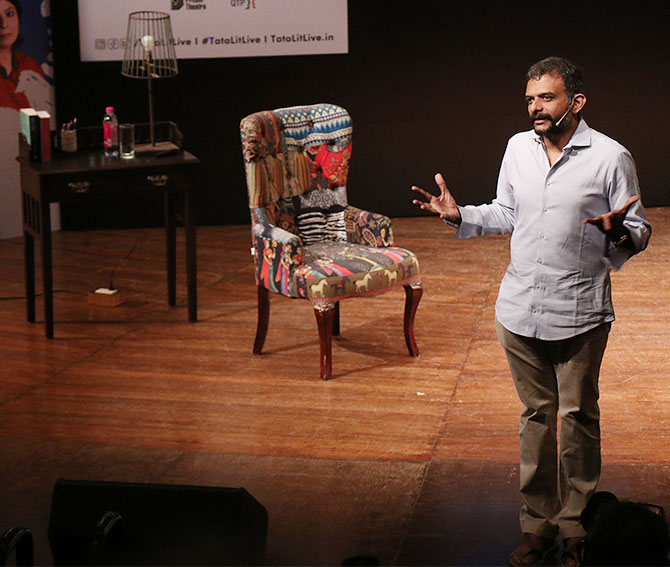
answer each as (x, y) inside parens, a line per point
(308, 242)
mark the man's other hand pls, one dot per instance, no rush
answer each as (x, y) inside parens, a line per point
(612, 223)
(443, 205)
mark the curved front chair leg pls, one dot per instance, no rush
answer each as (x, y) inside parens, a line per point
(413, 295)
(325, 316)
(263, 318)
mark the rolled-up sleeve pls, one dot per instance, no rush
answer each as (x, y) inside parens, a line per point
(623, 185)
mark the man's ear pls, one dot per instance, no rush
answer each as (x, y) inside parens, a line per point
(578, 103)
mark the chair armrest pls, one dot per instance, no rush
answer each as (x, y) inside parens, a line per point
(277, 252)
(371, 229)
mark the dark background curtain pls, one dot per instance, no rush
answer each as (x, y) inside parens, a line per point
(431, 86)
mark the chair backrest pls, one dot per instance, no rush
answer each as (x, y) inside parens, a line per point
(290, 152)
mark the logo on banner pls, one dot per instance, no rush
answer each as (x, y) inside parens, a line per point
(246, 4)
(112, 43)
(190, 4)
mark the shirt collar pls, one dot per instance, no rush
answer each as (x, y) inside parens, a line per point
(581, 137)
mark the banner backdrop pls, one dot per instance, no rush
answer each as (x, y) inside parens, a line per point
(220, 28)
(25, 80)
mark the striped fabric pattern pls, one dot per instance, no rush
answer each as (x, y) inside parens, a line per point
(336, 229)
(317, 226)
(311, 226)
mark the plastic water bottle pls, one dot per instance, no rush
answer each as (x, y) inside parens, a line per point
(110, 129)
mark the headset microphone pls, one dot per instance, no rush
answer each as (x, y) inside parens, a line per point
(556, 124)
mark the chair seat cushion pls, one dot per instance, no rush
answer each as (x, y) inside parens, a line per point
(336, 270)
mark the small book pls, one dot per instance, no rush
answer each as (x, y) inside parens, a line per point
(45, 134)
(35, 138)
(25, 114)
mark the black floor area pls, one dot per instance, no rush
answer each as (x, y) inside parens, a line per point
(320, 511)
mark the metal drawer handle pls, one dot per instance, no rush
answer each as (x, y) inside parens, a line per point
(79, 186)
(157, 180)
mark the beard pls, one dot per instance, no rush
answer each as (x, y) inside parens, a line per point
(552, 130)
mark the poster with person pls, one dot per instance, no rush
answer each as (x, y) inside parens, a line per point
(26, 74)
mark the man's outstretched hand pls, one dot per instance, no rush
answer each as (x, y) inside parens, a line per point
(443, 204)
(612, 223)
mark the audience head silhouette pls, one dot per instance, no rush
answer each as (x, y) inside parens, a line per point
(624, 533)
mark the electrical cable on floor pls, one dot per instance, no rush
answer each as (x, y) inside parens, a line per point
(128, 254)
(111, 276)
(16, 297)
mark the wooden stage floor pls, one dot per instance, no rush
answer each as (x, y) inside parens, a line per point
(413, 461)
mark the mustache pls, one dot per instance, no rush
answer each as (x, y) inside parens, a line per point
(541, 116)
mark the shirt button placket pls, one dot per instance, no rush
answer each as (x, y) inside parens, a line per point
(536, 294)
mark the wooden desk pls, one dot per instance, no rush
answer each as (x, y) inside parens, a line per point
(88, 175)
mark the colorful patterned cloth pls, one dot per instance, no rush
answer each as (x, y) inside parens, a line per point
(297, 161)
(335, 270)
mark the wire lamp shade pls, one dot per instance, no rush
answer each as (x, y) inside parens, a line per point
(149, 52)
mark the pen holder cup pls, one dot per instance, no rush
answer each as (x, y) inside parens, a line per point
(68, 140)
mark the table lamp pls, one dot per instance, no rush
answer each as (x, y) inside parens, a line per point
(149, 54)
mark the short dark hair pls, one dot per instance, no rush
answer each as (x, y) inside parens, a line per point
(567, 70)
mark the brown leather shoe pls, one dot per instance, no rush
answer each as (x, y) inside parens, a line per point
(532, 551)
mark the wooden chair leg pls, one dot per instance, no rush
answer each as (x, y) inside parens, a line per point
(263, 318)
(324, 320)
(336, 320)
(412, 297)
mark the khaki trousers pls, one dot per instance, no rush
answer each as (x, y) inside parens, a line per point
(557, 377)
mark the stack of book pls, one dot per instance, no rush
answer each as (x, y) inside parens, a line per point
(36, 129)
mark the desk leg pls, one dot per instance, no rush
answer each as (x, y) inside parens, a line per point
(191, 257)
(29, 267)
(47, 270)
(171, 246)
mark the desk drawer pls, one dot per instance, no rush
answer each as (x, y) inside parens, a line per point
(113, 185)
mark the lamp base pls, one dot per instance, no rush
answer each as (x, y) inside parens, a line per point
(157, 147)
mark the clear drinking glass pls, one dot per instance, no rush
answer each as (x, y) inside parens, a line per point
(127, 140)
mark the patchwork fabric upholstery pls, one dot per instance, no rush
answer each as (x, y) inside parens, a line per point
(309, 242)
(364, 227)
(334, 271)
(291, 151)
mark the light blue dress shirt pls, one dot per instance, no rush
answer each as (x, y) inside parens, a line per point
(557, 284)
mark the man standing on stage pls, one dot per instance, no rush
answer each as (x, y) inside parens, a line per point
(569, 196)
